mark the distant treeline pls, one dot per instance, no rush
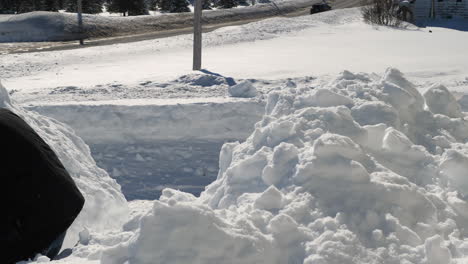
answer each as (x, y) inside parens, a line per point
(126, 7)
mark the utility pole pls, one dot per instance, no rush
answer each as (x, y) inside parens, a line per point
(80, 21)
(433, 9)
(197, 35)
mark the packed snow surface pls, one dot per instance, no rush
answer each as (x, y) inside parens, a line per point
(363, 169)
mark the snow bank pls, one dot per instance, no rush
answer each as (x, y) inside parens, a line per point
(53, 26)
(323, 181)
(105, 207)
(38, 26)
(149, 120)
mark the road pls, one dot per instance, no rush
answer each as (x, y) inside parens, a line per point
(26, 47)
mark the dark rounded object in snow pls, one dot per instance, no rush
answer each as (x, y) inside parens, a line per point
(318, 8)
(39, 200)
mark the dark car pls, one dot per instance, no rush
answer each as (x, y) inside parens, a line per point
(322, 7)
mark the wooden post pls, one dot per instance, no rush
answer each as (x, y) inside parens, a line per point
(79, 8)
(197, 35)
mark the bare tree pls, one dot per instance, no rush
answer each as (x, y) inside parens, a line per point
(381, 12)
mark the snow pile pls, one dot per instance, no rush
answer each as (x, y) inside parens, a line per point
(105, 207)
(244, 89)
(355, 171)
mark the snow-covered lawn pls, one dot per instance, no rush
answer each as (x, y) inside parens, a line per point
(342, 167)
(272, 49)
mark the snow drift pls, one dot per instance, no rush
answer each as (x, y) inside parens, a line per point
(105, 207)
(364, 169)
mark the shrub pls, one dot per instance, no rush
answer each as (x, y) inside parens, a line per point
(381, 12)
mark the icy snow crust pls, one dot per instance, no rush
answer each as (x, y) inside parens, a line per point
(105, 206)
(355, 171)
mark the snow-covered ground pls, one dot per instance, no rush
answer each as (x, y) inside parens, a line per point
(271, 49)
(344, 167)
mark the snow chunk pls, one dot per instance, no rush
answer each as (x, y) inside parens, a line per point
(375, 135)
(347, 75)
(42, 259)
(397, 78)
(441, 101)
(398, 97)
(463, 102)
(331, 145)
(204, 80)
(248, 169)
(4, 97)
(37, 259)
(395, 141)
(403, 233)
(271, 199)
(244, 89)
(373, 113)
(283, 162)
(323, 98)
(436, 252)
(454, 166)
(333, 157)
(331, 169)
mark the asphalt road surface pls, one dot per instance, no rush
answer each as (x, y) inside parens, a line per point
(23, 47)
